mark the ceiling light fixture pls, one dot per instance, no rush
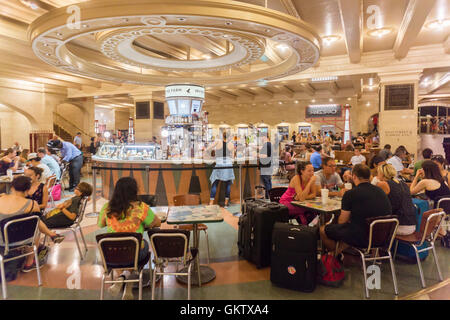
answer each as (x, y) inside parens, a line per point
(331, 100)
(349, 99)
(321, 79)
(181, 19)
(438, 24)
(296, 101)
(330, 39)
(228, 23)
(313, 100)
(279, 102)
(282, 46)
(379, 32)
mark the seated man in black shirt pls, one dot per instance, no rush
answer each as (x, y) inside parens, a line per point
(362, 202)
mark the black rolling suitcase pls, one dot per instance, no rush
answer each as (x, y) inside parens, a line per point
(255, 229)
(294, 257)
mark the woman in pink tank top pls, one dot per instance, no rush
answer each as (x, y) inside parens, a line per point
(301, 187)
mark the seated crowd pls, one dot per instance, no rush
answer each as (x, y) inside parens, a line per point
(36, 174)
(386, 188)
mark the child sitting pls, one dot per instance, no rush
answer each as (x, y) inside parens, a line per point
(65, 213)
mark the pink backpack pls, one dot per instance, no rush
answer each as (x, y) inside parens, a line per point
(56, 192)
(330, 272)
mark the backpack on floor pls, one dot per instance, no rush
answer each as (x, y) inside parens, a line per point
(330, 271)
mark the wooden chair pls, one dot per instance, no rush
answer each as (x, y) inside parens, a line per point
(191, 200)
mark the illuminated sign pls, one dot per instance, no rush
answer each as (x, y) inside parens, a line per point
(185, 90)
(323, 111)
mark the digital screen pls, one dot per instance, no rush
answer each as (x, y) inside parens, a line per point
(184, 106)
(172, 106)
(196, 106)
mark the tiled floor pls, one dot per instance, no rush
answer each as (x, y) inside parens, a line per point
(67, 277)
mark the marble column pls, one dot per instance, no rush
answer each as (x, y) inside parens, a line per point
(399, 127)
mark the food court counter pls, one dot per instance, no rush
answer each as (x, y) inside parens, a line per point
(167, 178)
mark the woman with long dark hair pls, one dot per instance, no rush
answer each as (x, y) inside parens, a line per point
(440, 161)
(432, 181)
(301, 187)
(125, 213)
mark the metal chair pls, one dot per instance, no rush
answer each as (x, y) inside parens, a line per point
(172, 245)
(429, 228)
(51, 182)
(382, 231)
(64, 175)
(276, 193)
(444, 203)
(191, 200)
(18, 232)
(120, 251)
(77, 226)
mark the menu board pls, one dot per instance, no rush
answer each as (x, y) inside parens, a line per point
(399, 97)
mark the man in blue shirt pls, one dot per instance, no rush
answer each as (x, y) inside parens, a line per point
(73, 156)
(316, 158)
(50, 162)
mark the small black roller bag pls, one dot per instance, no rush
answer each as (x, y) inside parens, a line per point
(294, 257)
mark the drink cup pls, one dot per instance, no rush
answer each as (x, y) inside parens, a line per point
(9, 173)
(325, 196)
(348, 186)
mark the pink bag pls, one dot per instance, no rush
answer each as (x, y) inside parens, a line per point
(56, 192)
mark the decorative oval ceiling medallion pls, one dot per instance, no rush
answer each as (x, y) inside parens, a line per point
(158, 42)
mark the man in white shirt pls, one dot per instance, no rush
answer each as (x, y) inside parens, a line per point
(35, 161)
(358, 158)
(397, 162)
(77, 140)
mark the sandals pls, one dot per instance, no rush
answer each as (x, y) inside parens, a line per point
(57, 238)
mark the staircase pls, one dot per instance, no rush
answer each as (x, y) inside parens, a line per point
(63, 134)
(65, 129)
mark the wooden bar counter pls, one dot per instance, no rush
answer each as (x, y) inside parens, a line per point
(167, 178)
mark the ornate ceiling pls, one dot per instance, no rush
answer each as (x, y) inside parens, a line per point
(123, 44)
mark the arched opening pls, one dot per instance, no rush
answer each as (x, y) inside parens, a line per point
(15, 125)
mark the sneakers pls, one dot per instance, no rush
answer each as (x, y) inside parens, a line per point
(58, 238)
(116, 288)
(128, 292)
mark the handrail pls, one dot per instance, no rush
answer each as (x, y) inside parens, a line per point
(77, 129)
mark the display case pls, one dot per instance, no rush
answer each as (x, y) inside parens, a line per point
(133, 152)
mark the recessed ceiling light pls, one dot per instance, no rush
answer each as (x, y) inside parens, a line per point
(313, 100)
(181, 19)
(282, 46)
(349, 99)
(438, 24)
(45, 44)
(85, 25)
(59, 34)
(379, 32)
(228, 23)
(331, 100)
(225, 36)
(330, 39)
(126, 19)
(321, 79)
(296, 101)
(279, 102)
(368, 104)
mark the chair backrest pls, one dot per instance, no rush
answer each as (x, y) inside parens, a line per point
(169, 243)
(119, 249)
(186, 200)
(51, 182)
(382, 231)
(81, 210)
(444, 203)
(276, 193)
(19, 230)
(430, 224)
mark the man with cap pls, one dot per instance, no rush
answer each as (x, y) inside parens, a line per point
(50, 162)
(34, 160)
(73, 156)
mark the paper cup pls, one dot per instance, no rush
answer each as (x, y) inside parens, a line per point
(348, 186)
(324, 193)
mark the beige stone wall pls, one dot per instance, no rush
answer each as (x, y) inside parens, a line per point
(14, 127)
(121, 120)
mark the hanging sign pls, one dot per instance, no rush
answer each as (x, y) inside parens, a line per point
(323, 111)
(185, 90)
